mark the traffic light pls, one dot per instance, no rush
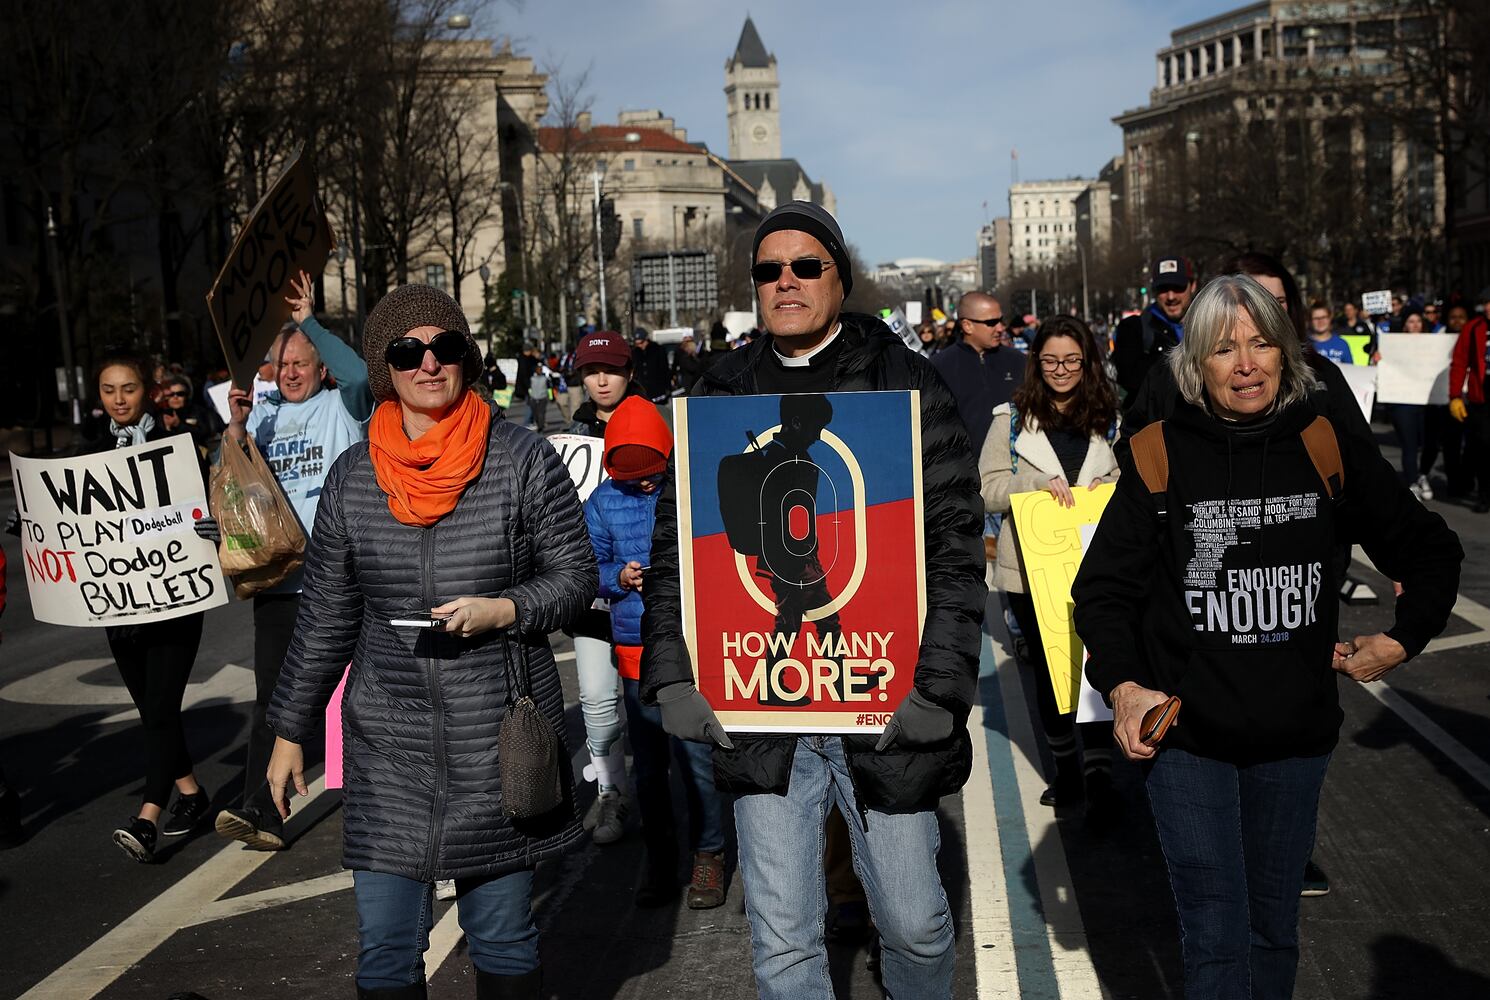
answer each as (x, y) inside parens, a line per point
(1143, 291)
(610, 227)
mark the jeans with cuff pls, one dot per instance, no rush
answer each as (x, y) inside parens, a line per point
(781, 860)
(652, 753)
(1235, 840)
(394, 916)
(599, 693)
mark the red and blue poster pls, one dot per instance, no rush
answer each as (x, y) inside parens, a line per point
(801, 554)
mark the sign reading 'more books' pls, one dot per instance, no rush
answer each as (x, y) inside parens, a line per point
(287, 233)
(801, 556)
(108, 539)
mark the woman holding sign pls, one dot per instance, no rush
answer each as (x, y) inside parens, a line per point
(1209, 592)
(154, 658)
(1056, 435)
(445, 550)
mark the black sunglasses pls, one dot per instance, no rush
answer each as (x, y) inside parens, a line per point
(178, 394)
(807, 268)
(995, 321)
(407, 353)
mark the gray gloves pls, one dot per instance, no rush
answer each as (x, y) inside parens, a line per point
(13, 522)
(686, 714)
(917, 722)
(206, 527)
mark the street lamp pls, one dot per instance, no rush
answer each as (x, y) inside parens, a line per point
(485, 273)
(69, 380)
(597, 176)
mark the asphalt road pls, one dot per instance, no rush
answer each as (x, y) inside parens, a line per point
(1044, 906)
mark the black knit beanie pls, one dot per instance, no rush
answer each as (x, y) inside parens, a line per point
(406, 308)
(814, 220)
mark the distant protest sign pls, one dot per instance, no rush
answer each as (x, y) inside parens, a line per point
(1377, 303)
(1050, 548)
(108, 538)
(801, 556)
(583, 456)
(1362, 382)
(1414, 368)
(287, 233)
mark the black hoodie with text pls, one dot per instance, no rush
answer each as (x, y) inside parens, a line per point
(1230, 600)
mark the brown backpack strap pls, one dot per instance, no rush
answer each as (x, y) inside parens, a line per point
(1324, 452)
(1151, 458)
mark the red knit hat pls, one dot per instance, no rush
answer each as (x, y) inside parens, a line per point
(637, 441)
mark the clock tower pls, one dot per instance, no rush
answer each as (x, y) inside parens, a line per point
(752, 93)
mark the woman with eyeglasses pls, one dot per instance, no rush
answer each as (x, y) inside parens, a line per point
(155, 658)
(1055, 435)
(471, 524)
(179, 413)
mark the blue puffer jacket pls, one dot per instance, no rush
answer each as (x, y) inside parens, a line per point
(620, 518)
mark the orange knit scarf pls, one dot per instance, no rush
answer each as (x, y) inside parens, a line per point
(425, 478)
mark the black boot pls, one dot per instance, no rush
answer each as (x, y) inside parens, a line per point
(414, 991)
(660, 882)
(1066, 789)
(528, 986)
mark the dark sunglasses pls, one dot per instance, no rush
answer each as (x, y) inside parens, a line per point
(178, 394)
(807, 268)
(993, 322)
(407, 353)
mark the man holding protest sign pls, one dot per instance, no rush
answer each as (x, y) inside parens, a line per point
(888, 786)
(300, 429)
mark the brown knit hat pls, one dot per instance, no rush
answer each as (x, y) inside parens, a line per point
(406, 308)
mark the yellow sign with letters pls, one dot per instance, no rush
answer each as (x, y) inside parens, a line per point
(1049, 537)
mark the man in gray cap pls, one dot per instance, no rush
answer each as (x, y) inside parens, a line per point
(886, 786)
(300, 429)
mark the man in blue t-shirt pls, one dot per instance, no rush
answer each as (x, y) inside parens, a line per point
(1326, 342)
(300, 429)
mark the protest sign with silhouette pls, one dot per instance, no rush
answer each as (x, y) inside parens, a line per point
(801, 556)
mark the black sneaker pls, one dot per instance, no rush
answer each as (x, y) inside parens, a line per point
(187, 812)
(137, 839)
(256, 829)
(1316, 883)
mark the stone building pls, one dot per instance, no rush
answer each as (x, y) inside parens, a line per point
(1042, 222)
(752, 94)
(993, 253)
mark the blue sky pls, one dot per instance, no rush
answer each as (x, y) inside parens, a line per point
(907, 110)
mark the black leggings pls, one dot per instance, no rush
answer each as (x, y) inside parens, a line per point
(1060, 730)
(155, 661)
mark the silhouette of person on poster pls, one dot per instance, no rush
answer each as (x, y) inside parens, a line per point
(768, 498)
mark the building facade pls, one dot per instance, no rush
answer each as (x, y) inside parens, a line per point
(993, 253)
(1042, 222)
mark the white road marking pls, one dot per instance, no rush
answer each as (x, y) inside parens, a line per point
(443, 938)
(265, 899)
(1070, 952)
(64, 685)
(993, 941)
(1465, 607)
(1457, 752)
(134, 938)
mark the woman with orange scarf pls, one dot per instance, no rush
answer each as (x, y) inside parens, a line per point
(450, 514)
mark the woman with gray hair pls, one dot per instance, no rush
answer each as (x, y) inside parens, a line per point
(1216, 586)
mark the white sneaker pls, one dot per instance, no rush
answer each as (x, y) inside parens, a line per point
(610, 824)
(1424, 490)
(445, 888)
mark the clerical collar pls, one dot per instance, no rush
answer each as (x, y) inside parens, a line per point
(806, 359)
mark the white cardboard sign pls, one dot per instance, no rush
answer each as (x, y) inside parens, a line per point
(108, 538)
(583, 456)
(1362, 381)
(1377, 303)
(1414, 368)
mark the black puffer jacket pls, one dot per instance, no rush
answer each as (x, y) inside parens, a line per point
(423, 797)
(897, 780)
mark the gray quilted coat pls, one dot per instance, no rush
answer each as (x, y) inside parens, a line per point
(422, 795)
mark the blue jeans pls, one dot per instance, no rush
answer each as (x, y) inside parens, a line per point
(781, 861)
(393, 919)
(652, 751)
(1236, 840)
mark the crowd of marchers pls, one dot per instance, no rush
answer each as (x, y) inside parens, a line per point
(1243, 472)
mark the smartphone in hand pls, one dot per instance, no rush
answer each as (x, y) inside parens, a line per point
(420, 621)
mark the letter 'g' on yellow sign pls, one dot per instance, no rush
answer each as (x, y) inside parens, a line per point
(1049, 537)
